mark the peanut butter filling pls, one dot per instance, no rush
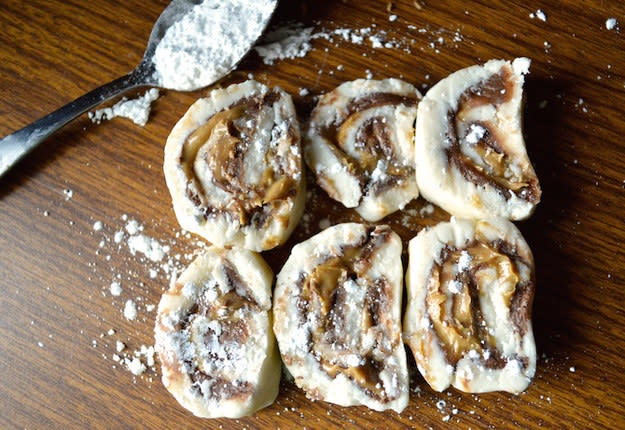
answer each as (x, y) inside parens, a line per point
(221, 144)
(494, 165)
(458, 283)
(357, 347)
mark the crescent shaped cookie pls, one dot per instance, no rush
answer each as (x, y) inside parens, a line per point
(233, 167)
(468, 317)
(360, 145)
(214, 338)
(470, 152)
(337, 307)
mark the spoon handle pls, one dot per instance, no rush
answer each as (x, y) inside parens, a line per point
(16, 145)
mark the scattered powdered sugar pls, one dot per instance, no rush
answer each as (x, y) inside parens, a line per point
(455, 286)
(539, 14)
(426, 210)
(464, 262)
(137, 110)
(135, 366)
(130, 310)
(475, 134)
(289, 41)
(115, 289)
(611, 23)
(208, 42)
(148, 246)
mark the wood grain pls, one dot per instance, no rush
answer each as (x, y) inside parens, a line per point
(55, 286)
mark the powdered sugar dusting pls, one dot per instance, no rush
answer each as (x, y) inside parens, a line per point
(290, 41)
(208, 42)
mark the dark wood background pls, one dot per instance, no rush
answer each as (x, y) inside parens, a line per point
(54, 286)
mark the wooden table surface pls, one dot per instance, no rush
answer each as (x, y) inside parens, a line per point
(56, 358)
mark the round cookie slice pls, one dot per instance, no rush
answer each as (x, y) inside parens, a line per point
(213, 335)
(470, 153)
(360, 145)
(468, 317)
(233, 167)
(337, 307)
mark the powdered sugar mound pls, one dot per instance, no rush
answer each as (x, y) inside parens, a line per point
(138, 110)
(208, 42)
(289, 41)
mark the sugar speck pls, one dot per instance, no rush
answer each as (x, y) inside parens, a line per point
(130, 310)
(610, 23)
(115, 288)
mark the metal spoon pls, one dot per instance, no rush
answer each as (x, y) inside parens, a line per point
(15, 146)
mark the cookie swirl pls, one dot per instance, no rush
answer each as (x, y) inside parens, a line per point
(360, 145)
(233, 167)
(214, 338)
(471, 156)
(337, 311)
(468, 318)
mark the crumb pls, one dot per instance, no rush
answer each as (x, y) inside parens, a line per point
(119, 346)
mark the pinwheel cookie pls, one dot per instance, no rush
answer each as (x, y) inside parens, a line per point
(233, 167)
(337, 307)
(360, 145)
(214, 338)
(468, 317)
(470, 153)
